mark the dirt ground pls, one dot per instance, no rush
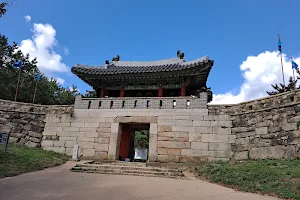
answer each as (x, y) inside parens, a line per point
(60, 183)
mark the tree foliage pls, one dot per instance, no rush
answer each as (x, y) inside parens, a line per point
(48, 91)
(141, 139)
(292, 85)
(3, 6)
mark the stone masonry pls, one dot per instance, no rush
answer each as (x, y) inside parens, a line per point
(259, 129)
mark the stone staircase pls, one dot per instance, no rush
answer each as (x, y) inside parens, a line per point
(127, 168)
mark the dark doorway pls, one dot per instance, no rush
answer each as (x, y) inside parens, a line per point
(129, 142)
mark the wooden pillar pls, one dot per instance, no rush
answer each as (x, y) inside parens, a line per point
(122, 92)
(102, 93)
(160, 91)
(183, 90)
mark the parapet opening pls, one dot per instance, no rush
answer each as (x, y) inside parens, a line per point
(89, 105)
(99, 104)
(174, 103)
(160, 103)
(123, 104)
(111, 104)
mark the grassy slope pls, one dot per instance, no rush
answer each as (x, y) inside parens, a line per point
(273, 177)
(19, 160)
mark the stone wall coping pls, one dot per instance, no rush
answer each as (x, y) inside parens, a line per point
(19, 111)
(130, 98)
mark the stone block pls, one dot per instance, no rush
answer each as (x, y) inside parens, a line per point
(114, 128)
(70, 144)
(153, 128)
(181, 117)
(59, 143)
(197, 118)
(174, 139)
(69, 151)
(194, 137)
(239, 129)
(55, 149)
(101, 134)
(101, 147)
(167, 122)
(242, 140)
(93, 113)
(174, 134)
(101, 155)
(261, 131)
(189, 129)
(91, 125)
(199, 145)
(68, 138)
(32, 144)
(218, 138)
(88, 129)
(245, 134)
(34, 134)
(76, 134)
(264, 123)
(47, 143)
(152, 147)
(88, 152)
(90, 134)
(104, 130)
(226, 124)
(69, 129)
(202, 123)
(86, 139)
(183, 122)
(289, 126)
(86, 145)
(272, 152)
(164, 129)
(221, 130)
(203, 130)
(108, 119)
(173, 145)
(165, 117)
(77, 124)
(50, 133)
(13, 139)
(103, 140)
(208, 153)
(191, 152)
(65, 133)
(221, 117)
(64, 124)
(167, 158)
(244, 155)
(167, 151)
(219, 147)
(104, 125)
(136, 119)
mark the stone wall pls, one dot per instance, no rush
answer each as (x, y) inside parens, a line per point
(25, 122)
(265, 128)
(175, 134)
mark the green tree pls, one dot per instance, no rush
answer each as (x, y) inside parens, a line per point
(48, 91)
(3, 6)
(279, 88)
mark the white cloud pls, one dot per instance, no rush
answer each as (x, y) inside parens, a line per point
(27, 18)
(259, 73)
(66, 51)
(60, 80)
(41, 46)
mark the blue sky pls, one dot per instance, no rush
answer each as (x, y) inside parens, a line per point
(227, 31)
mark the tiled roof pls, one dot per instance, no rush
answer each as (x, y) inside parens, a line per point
(126, 67)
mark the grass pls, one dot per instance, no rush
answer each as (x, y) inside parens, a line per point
(20, 160)
(273, 177)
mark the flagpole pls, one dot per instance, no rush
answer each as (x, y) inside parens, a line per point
(293, 70)
(35, 90)
(18, 84)
(281, 65)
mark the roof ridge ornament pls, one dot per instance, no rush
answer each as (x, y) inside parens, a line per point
(117, 58)
(180, 55)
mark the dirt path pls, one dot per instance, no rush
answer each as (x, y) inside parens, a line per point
(60, 183)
